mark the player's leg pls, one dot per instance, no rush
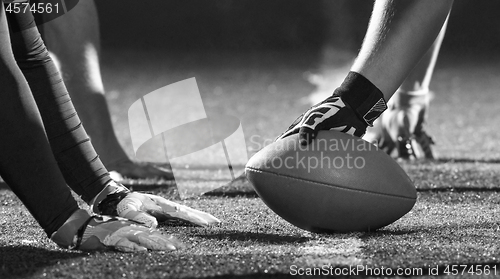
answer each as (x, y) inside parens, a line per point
(401, 128)
(73, 39)
(28, 165)
(399, 34)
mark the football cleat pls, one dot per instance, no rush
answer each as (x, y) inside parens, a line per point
(400, 129)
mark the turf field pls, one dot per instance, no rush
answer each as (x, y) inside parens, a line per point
(453, 228)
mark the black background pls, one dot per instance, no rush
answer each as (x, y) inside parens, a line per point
(273, 24)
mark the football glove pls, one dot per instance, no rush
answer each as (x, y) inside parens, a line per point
(352, 107)
(91, 233)
(330, 114)
(147, 209)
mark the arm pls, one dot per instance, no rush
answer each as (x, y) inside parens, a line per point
(399, 34)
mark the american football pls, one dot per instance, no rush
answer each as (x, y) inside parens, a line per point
(338, 183)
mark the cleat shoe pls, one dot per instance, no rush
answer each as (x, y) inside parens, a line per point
(400, 129)
(423, 141)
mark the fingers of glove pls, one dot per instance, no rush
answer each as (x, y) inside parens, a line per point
(315, 122)
(308, 118)
(136, 206)
(142, 217)
(145, 207)
(139, 202)
(148, 238)
(158, 241)
(125, 245)
(177, 211)
(161, 203)
(293, 128)
(194, 216)
(306, 135)
(325, 116)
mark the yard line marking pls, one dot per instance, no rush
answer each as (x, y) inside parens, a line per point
(331, 250)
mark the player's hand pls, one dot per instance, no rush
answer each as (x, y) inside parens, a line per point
(330, 114)
(151, 209)
(116, 200)
(91, 233)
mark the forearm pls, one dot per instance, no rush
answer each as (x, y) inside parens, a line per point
(399, 34)
(27, 164)
(71, 146)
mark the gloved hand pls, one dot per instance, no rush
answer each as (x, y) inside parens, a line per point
(330, 114)
(148, 209)
(90, 233)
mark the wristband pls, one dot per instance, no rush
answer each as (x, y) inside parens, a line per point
(362, 96)
(110, 189)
